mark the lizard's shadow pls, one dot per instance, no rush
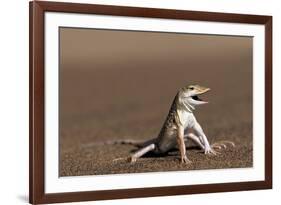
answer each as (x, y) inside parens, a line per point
(172, 152)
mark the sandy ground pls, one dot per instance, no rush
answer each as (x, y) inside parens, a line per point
(113, 100)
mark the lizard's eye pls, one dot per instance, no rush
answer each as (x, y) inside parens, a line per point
(191, 88)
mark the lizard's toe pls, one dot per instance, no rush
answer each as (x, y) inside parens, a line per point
(126, 159)
(211, 152)
(222, 144)
(219, 147)
(132, 159)
(185, 160)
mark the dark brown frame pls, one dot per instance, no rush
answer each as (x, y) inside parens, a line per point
(36, 100)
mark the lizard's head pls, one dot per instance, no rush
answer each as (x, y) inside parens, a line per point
(191, 93)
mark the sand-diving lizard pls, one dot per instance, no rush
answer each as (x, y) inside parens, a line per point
(177, 128)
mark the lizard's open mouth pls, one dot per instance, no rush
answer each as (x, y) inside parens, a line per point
(195, 97)
(198, 99)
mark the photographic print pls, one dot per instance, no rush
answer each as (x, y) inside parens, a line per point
(135, 101)
(130, 102)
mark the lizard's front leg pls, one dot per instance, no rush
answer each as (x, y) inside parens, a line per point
(195, 139)
(181, 145)
(207, 148)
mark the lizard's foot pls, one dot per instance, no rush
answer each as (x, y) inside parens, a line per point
(132, 159)
(210, 151)
(222, 145)
(121, 158)
(185, 160)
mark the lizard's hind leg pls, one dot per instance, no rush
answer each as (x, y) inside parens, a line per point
(142, 152)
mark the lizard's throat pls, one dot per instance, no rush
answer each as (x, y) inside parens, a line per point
(188, 107)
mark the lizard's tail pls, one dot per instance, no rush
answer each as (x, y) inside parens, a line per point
(137, 143)
(125, 142)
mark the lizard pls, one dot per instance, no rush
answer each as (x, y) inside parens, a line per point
(181, 120)
(177, 127)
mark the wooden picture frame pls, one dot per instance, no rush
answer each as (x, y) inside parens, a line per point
(37, 194)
